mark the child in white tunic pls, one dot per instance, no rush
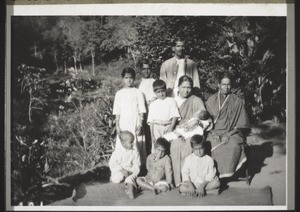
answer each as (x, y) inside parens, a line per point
(125, 164)
(163, 112)
(129, 108)
(147, 82)
(147, 89)
(198, 172)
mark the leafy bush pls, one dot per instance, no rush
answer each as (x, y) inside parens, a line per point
(82, 137)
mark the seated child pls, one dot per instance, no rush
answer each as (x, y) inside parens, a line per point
(198, 172)
(203, 122)
(159, 177)
(163, 112)
(125, 164)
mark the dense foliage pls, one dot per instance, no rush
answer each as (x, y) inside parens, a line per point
(66, 70)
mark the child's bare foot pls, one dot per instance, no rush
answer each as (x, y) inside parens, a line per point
(156, 191)
(130, 191)
(214, 192)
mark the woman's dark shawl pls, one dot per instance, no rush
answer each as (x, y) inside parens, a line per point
(189, 107)
(232, 115)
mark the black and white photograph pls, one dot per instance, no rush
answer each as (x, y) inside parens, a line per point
(148, 107)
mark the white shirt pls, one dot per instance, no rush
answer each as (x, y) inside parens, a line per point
(163, 110)
(128, 159)
(128, 103)
(180, 72)
(146, 86)
(198, 169)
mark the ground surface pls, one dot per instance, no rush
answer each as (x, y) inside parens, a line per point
(266, 165)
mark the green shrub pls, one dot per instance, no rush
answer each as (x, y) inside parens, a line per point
(82, 137)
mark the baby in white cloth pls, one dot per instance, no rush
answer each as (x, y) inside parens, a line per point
(204, 123)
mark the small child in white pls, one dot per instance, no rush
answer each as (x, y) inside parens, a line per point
(198, 172)
(125, 164)
(159, 177)
(201, 120)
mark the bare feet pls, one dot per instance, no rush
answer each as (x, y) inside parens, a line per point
(156, 191)
(214, 192)
(130, 191)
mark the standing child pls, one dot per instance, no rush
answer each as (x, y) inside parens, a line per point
(146, 87)
(163, 112)
(198, 172)
(129, 108)
(159, 167)
(125, 164)
(147, 81)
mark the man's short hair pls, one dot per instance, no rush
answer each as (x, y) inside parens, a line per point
(197, 139)
(224, 76)
(177, 39)
(158, 85)
(145, 61)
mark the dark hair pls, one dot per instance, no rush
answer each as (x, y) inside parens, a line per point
(223, 76)
(204, 115)
(126, 132)
(145, 61)
(128, 70)
(159, 84)
(197, 139)
(177, 39)
(162, 142)
(185, 78)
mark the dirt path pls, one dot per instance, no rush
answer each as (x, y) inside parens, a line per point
(266, 165)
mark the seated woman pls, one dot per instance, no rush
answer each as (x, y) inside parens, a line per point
(226, 137)
(188, 105)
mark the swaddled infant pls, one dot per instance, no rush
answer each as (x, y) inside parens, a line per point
(201, 121)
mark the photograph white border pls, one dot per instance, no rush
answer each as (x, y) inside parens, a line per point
(182, 9)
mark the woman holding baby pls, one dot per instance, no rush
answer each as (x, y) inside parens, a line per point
(188, 106)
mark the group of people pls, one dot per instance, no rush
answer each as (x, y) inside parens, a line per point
(193, 145)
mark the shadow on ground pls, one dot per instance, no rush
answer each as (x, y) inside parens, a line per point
(266, 166)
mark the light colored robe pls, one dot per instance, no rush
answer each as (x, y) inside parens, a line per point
(169, 71)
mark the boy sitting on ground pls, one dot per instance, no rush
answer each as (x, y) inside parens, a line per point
(199, 122)
(159, 177)
(198, 172)
(125, 164)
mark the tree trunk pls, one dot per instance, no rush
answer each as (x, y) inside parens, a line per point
(93, 62)
(74, 58)
(56, 67)
(55, 61)
(65, 66)
(30, 104)
(35, 52)
(80, 67)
